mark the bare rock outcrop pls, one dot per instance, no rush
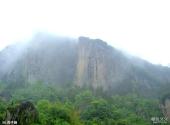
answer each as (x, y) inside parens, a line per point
(83, 61)
(99, 65)
(22, 114)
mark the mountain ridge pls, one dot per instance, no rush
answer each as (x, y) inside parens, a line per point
(83, 62)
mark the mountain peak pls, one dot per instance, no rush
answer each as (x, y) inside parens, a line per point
(87, 40)
(88, 62)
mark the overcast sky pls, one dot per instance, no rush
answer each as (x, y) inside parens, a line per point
(140, 27)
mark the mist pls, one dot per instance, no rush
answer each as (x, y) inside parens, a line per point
(138, 27)
(84, 62)
(51, 73)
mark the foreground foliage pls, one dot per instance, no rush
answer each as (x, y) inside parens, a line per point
(77, 106)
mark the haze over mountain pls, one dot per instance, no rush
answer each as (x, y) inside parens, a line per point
(138, 27)
(65, 70)
(83, 62)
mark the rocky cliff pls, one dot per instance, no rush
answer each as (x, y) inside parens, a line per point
(99, 65)
(83, 61)
(167, 109)
(45, 58)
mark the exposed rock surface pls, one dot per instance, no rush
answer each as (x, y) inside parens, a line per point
(84, 62)
(45, 58)
(166, 105)
(167, 109)
(99, 64)
(24, 114)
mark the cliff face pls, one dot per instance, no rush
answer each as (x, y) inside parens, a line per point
(51, 62)
(167, 107)
(47, 59)
(91, 66)
(84, 62)
(98, 64)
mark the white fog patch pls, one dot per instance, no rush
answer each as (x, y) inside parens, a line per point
(138, 27)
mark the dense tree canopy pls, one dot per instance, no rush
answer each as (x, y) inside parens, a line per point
(82, 106)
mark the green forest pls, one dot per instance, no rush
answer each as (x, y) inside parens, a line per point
(48, 104)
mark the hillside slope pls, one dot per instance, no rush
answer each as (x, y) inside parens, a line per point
(83, 62)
